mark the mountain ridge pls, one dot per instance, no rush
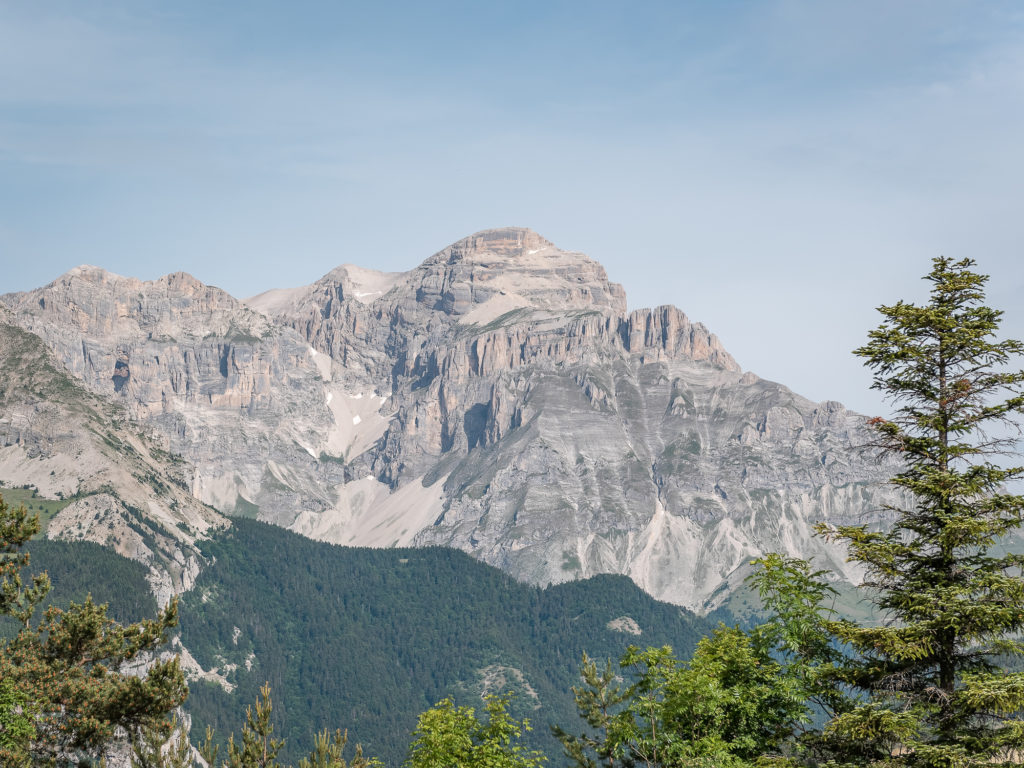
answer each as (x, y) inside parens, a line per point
(498, 398)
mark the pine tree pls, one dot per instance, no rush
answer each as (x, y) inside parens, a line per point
(165, 745)
(66, 671)
(258, 748)
(600, 698)
(952, 600)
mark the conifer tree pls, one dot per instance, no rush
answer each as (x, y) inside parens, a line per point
(164, 745)
(65, 690)
(952, 598)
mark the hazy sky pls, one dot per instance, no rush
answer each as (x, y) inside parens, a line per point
(775, 169)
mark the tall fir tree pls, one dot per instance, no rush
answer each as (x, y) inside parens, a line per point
(951, 596)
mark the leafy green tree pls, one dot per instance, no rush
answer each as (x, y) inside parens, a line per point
(67, 671)
(448, 736)
(744, 697)
(798, 633)
(952, 599)
(731, 704)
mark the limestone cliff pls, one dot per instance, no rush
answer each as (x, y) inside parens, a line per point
(543, 428)
(123, 490)
(498, 398)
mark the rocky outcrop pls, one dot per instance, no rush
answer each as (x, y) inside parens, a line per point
(245, 402)
(498, 398)
(124, 490)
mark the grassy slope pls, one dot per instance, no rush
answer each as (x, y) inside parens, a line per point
(45, 508)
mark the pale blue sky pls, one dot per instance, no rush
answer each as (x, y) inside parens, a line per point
(775, 169)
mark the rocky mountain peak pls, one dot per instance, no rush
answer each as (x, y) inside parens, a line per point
(92, 275)
(509, 269)
(88, 272)
(102, 304)
(506, 241)
(184, 284)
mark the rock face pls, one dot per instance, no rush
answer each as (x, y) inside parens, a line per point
(498, 398)
(124, 490)
(244, 401)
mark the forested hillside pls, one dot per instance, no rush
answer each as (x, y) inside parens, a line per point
(78, 569)
(366, 639)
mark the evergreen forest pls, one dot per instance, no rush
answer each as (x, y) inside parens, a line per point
(372, 637)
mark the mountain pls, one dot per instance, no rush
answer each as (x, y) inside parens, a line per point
(499, 398)
(120, 488)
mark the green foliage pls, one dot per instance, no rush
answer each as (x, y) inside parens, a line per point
(936, 694)
(598, 701)
(729, 705)
(328, 752)
(375, 637)
(30, 498)
(65, 671)
(77, 569)
(448, 736)
(17, 725)
(797, 629)
(17, 600)
(164, 745)
(744, 697)
(258, 748)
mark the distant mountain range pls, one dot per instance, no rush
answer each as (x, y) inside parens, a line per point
(499, 399)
